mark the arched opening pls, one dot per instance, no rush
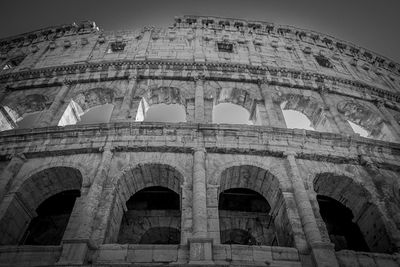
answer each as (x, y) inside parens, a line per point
(294, 118)
(48, 227)
(92, 106)
(343, 232)
(160, 112)
(345, 207)
(23, 112)
(234, 106)
(303, 112)
(39, 211)
(361, 116)
(162, 104)
(241, 206)
(251, 208)
(231, 113)
(152, 215)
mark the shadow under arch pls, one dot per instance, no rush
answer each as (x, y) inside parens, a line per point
(161, 235)
(133, 180)
(275, 228)
(365, 214)
(21, 207)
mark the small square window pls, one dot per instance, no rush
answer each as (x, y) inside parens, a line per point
(323, 61)
(116, 47)
(225, 47)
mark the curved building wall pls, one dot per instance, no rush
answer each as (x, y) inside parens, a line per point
(55, 82)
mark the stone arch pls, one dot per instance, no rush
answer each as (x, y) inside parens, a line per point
(134, 179)
(157, 95)
(268, 186)
(355, 197)
(14, 112)
(309, 106)
(94, 97)
(367, 117)
(235, 96)
(19, 206)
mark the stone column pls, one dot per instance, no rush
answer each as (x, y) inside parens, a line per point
(125, 112)
(199, 99)
(76, 241)
(273, 111)
(200, 244)
(8, 174)
(323, 253)
(48, 115)
(343, 127)
(394, 125)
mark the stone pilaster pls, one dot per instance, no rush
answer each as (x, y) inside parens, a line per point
(199, 98)
(200, 244)
(12, 169)
(254, 56)
(76, 241)
(49, 114)
(342, 126)
(127, 112)
(198, 49)
(322, 252)
(273, 111)
(144, 43)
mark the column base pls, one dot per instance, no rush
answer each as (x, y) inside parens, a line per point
(200, 251)
(74, 252)
(323, 254)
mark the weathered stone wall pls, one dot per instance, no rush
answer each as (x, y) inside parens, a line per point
(198, 63)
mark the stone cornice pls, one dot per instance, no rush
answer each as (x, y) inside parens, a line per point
(268, 28)
(230, 72)
(228, 139)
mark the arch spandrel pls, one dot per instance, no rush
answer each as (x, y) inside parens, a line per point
(152, 88)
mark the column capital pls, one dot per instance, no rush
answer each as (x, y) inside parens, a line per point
(16, 156)
(324, 89)
(69, 82)
(199, 149)
(262, 81)
(290, 153)
(106, 149)
(199, 76)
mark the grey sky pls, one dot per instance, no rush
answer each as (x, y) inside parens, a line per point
(370, 24)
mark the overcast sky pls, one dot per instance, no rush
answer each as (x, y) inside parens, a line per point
(370, 24)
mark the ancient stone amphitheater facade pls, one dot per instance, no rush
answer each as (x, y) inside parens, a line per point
(123, 191)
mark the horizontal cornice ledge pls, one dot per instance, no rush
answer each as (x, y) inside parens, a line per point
(273, 75)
